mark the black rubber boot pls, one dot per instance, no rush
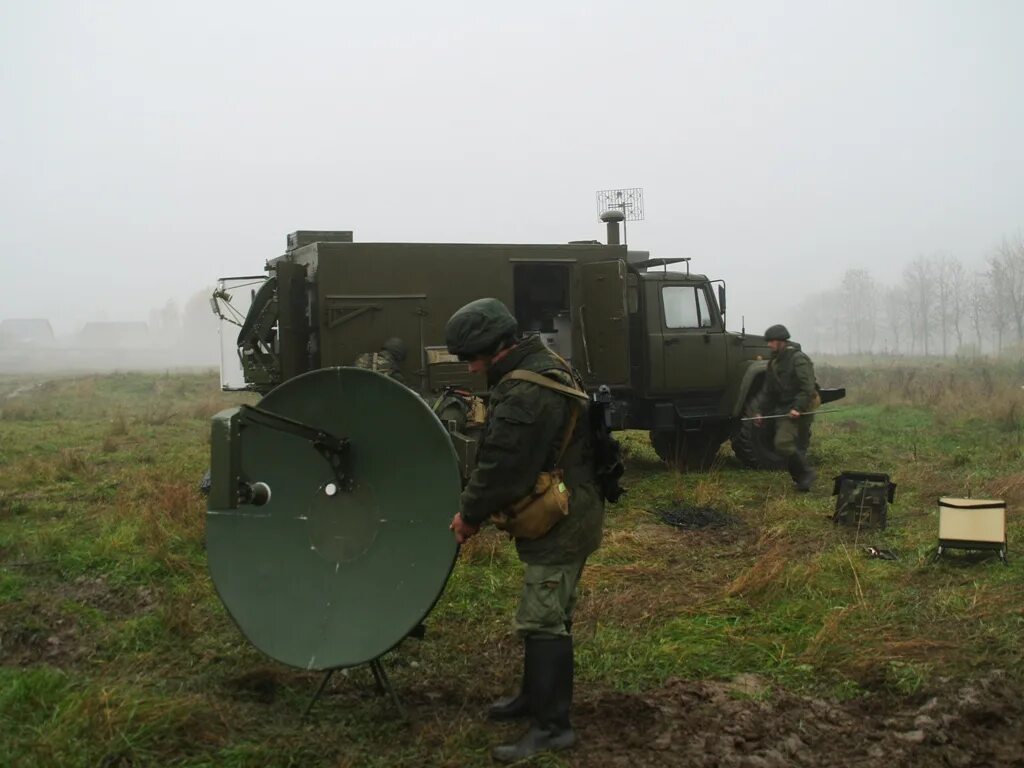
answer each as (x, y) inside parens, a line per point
(793, 467)
(518, 706)
(549, 681)
(801, 472)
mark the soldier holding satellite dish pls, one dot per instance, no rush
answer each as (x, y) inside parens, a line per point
(534, 477)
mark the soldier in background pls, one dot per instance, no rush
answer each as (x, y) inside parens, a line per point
(789, 389)
(387, 361)
(527, 427)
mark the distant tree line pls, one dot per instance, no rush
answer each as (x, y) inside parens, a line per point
(939, 307)
(191, 331)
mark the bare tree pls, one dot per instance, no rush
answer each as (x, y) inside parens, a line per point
(859, 301)
(949, 275)
(1006, 268)
(978, 291)
(998, 316)
(816, 321)
(958, 297)
(896, 318)
(936, 296)
(919, 282)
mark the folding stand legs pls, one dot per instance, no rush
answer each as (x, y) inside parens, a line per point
(384, 685)
(1001, 552)
(320, 690)
(381, 683)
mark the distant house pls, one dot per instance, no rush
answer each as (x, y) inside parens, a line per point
(34, 332)
(114, 335)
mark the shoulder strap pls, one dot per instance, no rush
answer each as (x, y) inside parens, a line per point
(569, 369)
(543, 381)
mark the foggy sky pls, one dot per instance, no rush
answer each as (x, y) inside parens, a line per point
(147, 148)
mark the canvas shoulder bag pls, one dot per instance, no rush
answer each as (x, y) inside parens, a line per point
(537, 513)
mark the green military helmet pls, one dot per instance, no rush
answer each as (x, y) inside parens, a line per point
(478, 328)
(396, 348)
(776, 332)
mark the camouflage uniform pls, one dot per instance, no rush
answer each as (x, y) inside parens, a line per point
(789, 385)
(388, 361)
(524, 430)
(381, 362)
(523, 434)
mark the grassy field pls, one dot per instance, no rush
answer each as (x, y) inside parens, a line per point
(115, 651)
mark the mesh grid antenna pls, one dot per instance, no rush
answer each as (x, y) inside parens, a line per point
(629, 200)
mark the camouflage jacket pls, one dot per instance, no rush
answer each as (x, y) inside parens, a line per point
(381, 362)
(524, 430)
(788, 383)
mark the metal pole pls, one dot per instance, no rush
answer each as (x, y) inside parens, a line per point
(786, 415)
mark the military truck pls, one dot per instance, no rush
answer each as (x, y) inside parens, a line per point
(650, 330)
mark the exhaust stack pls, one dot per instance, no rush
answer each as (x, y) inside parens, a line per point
(612, 219)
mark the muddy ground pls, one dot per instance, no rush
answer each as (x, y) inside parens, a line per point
(744, 724)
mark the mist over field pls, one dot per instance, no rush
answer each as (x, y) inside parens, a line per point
(775, 587)
(852, 170)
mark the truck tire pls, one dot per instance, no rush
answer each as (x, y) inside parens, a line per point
(687, 450)
(753, 445)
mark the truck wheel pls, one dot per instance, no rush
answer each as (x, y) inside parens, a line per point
(685, 450)
(754, 446)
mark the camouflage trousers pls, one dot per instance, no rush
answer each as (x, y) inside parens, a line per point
(792, 435)
(548, 599)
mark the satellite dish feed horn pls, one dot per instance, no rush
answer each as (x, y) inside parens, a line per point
(327, 519)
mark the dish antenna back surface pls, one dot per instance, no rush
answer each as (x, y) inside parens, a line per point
(327, 522)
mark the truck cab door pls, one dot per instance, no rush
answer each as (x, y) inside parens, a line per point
(692, 340)
(601, 346)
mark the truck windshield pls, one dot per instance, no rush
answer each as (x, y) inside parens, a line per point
(686, 306)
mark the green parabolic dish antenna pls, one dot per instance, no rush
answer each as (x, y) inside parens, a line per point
(336, 567)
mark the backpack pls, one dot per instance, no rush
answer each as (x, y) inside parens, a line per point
(862, 499)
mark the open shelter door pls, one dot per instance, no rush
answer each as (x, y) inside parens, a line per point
(603, 325)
